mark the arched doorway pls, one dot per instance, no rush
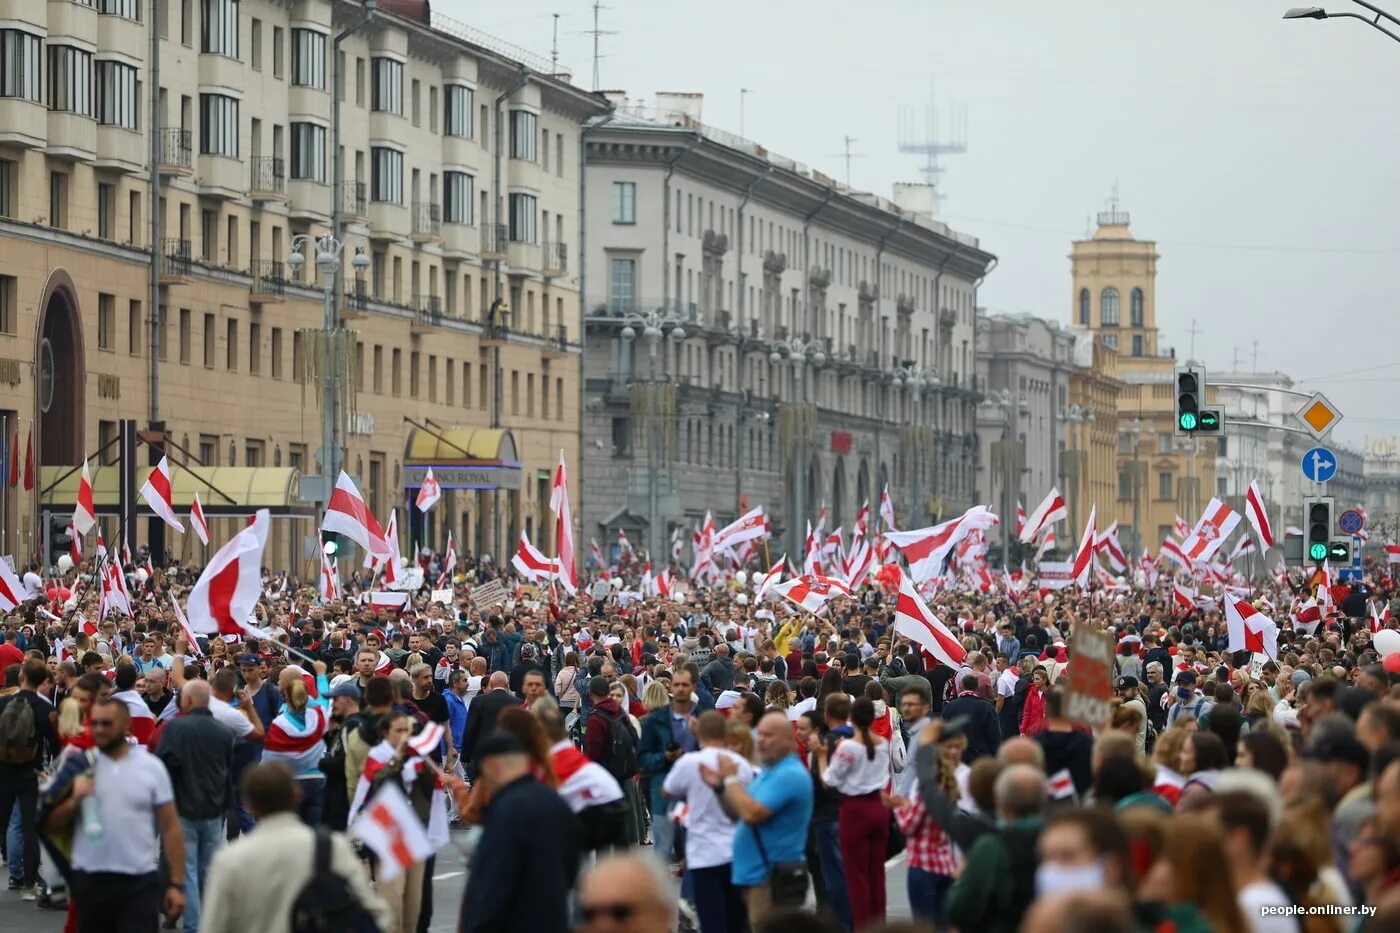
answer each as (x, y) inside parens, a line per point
(61, 375)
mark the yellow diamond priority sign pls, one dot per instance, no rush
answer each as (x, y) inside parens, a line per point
(1318, 416)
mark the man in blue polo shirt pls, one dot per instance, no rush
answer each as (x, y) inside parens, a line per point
(776, 806)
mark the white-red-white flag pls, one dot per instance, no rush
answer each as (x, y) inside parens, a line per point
(1308, 616)
(887, 509)
(329, 589)
(1084, 554)
(1020, 518)
(530, 562)
(811, 590)
(428, 493)
(228, 590)
(1185, 598)
(563, 529)
(1250, 629)
(1180, 528)
(85, 512)
(1051, 510)
(449, 561)
(1107, 545)
(75, 545)
(198, 522)
(1047, 544)
(859, 562)
(1216, 524)
(1172, 550)
(348, 515)
(1258, 515)
(427, 740)
(1392, 553)
(192, 644)
(862, 525)
(391, 829)
(914, 620)
(11, 589)
(926, 549)
(748, 527)
(1242, 547)
(624, 547)
(766, 579)
(156, 491)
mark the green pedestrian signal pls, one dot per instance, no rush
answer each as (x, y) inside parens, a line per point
(1317, 551)
(1188, 421)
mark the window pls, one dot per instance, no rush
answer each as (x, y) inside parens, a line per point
(413, 374)
(457, 197)
(70, 80)
(106, 208)
(209, 235)
(185, 326)
(378, 370)
(231, 346)
(1125, 485)
(9, 187)
(544, 149)
(396, 371)
(622, 288)
(624, 202)
(209, 449)
(457, 111)
(218, 125)
(133, 328)
(524, 134)
(1137, 344)
(209, 337)
(255, 40)
(127, 9)
(276, 353)
(118, 95)
(106, 320)
(1110, 341)
(386, 175)
(58, 199)
(308, 58)
(432, 109)
(524, 210)
(1108, 307)
(220, 28)
(386, 92)
(255, 348)
(106, 437)
(1084, 306)
(416, 94)
(309, 152)
(277, 51)
(1164, 443)
(1135, 309)
(359, 82)
(1164, 485)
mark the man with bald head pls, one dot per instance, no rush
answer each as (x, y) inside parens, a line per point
(482, 714)
(997, 884)
(197, 750)
(774, 808)
(626, 894)
(1022, 751)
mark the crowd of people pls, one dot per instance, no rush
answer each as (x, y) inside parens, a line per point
(714, 763)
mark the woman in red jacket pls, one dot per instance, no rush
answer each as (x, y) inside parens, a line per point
(1033, 715)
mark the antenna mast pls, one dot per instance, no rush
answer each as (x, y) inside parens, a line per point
(597, 33)
(930, 143)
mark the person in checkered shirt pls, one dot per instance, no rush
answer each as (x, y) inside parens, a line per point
(933, 860)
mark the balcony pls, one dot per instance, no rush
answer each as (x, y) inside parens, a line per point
(427, 222)
(176, 151)
(269, 179)
(388, 221)
(269, 282)
(460, 240)
(71, 136)
(522, 258)
(120, 148)
(556, 341)
(427, 314)
(555, 259)
(494, 238)
(354, 201)
(356, 299)
(221, 176)
(175, 261)
(308, 200)
(495, 331)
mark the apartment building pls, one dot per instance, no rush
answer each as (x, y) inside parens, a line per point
(757, 333)
(460, 186)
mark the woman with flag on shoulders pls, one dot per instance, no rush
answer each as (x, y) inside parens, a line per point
(296, 735)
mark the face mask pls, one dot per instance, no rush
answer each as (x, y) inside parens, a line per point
(1184, 692)
(1064, 879)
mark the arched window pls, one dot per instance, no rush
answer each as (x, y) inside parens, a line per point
(1135, 308)
(1108, 307)
(1084, 306)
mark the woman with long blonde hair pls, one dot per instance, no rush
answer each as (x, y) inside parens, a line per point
(1189, 882)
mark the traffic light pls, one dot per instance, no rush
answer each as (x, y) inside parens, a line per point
(331, 544)
(59, 537)
(1190, 391)
(1339, 550)
(1317, 528)
(1191, 416)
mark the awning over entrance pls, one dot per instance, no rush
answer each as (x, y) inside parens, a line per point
(222, 490)
(462, 458)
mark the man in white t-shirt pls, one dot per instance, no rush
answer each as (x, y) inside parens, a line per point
(1247, 824)
(709, 838)
(114, 881)
(33, 583)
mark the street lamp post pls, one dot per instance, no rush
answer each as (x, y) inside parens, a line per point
(1139, 473)
(327, 256)
(1077, 416)
(1011, 406)
(653, 326)
(798, 419)
(1317, 12)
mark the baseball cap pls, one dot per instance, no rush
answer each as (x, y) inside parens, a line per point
(1300, 677)
(1127, 682)
(248, 660)
(499, 742)
(1186, 677)
(344, 689)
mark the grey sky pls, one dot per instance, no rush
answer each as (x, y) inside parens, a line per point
(1257, 152)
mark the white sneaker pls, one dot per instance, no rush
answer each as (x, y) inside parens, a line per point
(30, 893)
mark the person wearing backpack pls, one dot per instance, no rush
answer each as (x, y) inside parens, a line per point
(27, 738)
(284, 876)
(611, 740)
(997, 883)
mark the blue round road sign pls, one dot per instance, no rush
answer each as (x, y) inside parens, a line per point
(1350, 522)
(1319, 465)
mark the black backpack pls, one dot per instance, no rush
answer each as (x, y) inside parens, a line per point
(17, 745)
(327, 904)
(621, 756)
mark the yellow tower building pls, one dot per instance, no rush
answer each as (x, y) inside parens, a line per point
(1159, 475)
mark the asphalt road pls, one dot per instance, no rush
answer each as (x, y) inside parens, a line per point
(449, 880)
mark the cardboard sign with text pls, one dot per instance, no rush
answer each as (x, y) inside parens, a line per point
(486, 595)
(1089, 694)
(1055, 575)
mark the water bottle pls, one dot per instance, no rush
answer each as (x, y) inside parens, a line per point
(91, 818)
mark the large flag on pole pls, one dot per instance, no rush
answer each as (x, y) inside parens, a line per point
(156, 492)
(563, 529)
(84, 514)
(347, 514)
(530, 562)
(1258, 515)
(1250, 629)
(811, 591)
(225, 595)
(429, 493)
(1216, 524)
(914, 620)
(198, 522)
(926, 549)
(389, 826)
(1051, 510)
(1084, 556)
(748, 527)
